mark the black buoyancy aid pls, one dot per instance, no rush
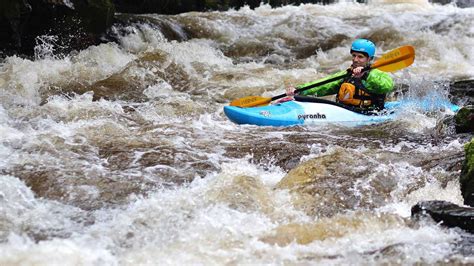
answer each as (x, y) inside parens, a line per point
(353, 92)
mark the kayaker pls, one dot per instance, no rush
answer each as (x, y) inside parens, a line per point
(362, 89)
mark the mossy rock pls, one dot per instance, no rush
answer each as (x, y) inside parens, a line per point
(467, 175)
(465, 119)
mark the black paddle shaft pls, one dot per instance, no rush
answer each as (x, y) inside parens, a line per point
(312, 86)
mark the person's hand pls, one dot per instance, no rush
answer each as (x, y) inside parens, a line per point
(358, 72)
(286, 99)
(290, 91)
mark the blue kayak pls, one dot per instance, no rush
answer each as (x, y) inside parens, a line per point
(315, 111)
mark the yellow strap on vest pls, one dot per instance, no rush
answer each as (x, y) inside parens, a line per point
(347, 95)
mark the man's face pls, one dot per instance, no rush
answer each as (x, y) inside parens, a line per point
(359, 59)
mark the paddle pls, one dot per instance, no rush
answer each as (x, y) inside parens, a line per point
(392, 61)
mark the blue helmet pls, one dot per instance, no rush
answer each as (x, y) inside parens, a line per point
(363, 46)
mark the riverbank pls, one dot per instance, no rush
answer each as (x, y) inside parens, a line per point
(78, 24)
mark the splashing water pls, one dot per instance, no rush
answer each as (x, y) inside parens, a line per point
(120, 154)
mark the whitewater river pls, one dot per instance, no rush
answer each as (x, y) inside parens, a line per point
(121, 154)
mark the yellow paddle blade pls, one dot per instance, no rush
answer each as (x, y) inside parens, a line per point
(251, 101)
(396, 59)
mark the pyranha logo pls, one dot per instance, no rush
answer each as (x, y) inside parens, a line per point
(265, 113)
(312, 116)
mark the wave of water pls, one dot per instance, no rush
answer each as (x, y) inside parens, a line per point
(121, 154)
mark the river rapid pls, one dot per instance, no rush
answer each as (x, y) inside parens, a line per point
(121, 154)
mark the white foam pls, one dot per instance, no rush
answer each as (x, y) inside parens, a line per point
(22, 251)
(24, 79)
(140, 38)
(156, 228)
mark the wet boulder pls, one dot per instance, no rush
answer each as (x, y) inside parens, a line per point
(464, 3)
(73, 24)
(180, 6)
(446, 213)
(163, 7)
(338, 181)
(336, 227)
(96, 15)
(462, 91)
(464, 120)
(13, 16)
(459, 123)
(459, 3)
(467, 175)
(241, 193)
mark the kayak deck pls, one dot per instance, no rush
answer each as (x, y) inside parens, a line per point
(303, 110)
(306, 110)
